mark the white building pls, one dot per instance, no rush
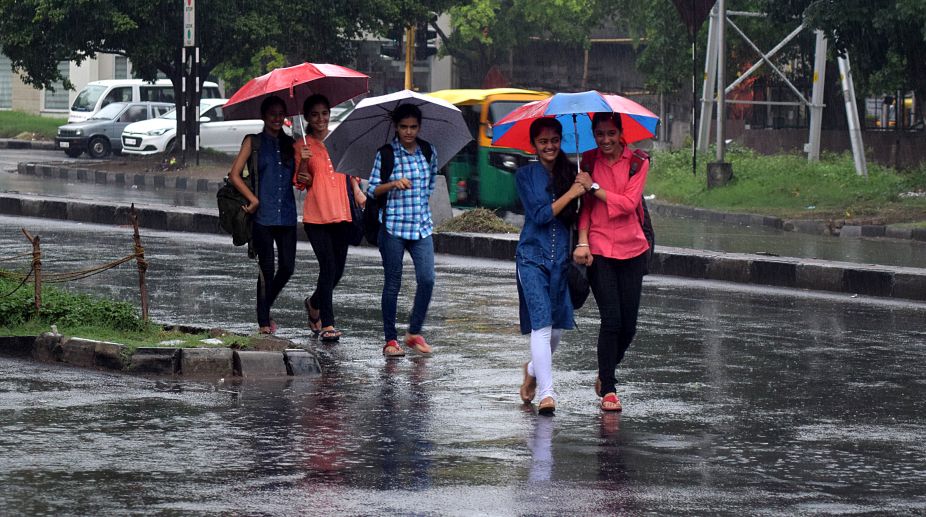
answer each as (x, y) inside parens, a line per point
(16, 95)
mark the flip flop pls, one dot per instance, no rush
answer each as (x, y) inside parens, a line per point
(396, 349)
(330, 335)
(315, 324)
(611, 398)
(418, 344)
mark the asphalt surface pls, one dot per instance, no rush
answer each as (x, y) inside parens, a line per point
(738, 400)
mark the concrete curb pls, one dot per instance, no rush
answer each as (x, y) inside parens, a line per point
(12, 143)
(811, 226)
(188, 362)
(887, 281)
(90, 175)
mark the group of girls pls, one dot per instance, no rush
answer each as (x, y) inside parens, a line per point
(283, 163)
(602, 205)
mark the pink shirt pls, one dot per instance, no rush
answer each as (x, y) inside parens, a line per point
(614, 228)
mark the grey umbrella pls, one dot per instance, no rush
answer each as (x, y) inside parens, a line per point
(352, 145)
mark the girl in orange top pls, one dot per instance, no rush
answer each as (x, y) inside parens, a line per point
(613, 246)
(326, 214)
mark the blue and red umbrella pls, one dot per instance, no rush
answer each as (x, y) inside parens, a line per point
(575, 112)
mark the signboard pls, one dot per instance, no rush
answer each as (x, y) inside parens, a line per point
(189, 23)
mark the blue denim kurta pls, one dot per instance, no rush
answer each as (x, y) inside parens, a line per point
(543, 255)
(277, 203)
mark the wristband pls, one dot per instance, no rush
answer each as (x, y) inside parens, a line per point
(581, 245)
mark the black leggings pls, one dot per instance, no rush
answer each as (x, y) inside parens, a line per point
(262, 240)
(617, 285)
(329, 242)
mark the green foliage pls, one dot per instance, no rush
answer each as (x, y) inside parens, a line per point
(263, 61)
(62, 308)
(478, 220)
(789, 186)
(12, 123)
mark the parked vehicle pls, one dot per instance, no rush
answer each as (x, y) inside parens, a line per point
(483, 174)
(98, 94)
(159, 135)
(102, 133)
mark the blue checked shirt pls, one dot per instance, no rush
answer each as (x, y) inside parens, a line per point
(408, 214)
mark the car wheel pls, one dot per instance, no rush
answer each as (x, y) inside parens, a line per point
(171, 146)
(98, 147)
(73, 153)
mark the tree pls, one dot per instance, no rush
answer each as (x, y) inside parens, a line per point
(885, 39)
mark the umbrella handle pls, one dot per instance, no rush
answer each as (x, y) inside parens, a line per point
(575, 131)
(302, 128)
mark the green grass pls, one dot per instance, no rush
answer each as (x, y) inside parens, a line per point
(791, 187)
(14, 123)
(79, 315)
(478, 220)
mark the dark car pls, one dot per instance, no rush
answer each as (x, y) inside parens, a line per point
(102, 133)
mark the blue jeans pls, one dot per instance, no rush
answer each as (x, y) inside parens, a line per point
(392, 249)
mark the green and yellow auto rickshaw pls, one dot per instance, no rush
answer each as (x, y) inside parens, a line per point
(483, 174)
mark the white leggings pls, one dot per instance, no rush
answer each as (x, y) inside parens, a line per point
(543, 344)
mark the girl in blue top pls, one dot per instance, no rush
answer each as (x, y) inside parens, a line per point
(548, 192)
(272, 208)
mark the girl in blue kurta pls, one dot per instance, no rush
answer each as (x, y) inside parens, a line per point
(548, 192)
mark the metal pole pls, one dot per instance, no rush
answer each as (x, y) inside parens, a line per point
(721, 76)
(142, 265)
(694, 103)
(707, 91)
(816, 99)
(409, 55)
(855, 129)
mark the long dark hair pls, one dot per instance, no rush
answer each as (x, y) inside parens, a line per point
(563, 173)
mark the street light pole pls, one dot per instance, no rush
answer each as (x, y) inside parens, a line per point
(409, 55)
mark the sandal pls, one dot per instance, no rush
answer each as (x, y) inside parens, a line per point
(547, 406)
(610, 402)
(315, 324)
(392, 349)
(528, 387)
(418, 344)
(330, 335)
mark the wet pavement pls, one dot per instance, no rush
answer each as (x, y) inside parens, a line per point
(738, 400)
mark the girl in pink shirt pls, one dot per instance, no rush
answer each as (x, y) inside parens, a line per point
(612, 244)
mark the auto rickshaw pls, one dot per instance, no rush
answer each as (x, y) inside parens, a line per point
(483, 174)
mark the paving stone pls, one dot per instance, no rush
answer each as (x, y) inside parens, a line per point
(301, 363)
(109, 355)
(155, 360)
(212, 362)
(47, 348)
(79, 352)
(254, 364)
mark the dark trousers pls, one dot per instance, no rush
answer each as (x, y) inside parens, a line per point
(270, 282)
(617, 285)
(329, 242)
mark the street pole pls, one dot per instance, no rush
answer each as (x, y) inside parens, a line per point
(409, 55)
(719, 173)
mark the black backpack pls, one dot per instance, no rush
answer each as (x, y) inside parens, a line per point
(375, 205)
(232, 218)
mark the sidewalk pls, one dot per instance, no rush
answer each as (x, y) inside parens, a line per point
(885, 281)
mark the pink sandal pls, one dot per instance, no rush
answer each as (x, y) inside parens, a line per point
(396, 349)
(611, 398)
(418, 344)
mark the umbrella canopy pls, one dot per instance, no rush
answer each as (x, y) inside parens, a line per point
(575, 112)
(294, 84)
(353, 144)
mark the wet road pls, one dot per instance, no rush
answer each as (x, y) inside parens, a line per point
(739, 400)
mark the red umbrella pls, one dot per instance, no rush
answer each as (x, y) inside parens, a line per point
(294, 84)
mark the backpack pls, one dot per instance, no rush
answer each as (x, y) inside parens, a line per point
(232, 218)
(637, 159)
(373, 207)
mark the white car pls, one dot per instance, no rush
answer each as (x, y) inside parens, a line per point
(158, 135)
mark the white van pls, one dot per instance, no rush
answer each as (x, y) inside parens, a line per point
(98, 94)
